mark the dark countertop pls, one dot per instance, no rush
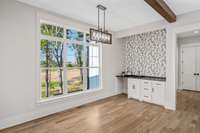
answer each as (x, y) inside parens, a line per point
(142, 77)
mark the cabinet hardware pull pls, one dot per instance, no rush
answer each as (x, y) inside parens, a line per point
(146, 89)
(152, 89)
(133, 87)
(146, 96)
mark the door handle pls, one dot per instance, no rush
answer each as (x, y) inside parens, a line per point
(196, 74)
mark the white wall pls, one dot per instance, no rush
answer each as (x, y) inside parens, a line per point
(184, 22)
(18, 100)
(188, 40)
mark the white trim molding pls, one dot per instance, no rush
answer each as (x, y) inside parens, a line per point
(174, 60)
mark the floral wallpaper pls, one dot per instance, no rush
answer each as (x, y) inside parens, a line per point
(145, 53)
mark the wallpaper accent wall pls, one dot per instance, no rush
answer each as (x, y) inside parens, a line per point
(145, 53)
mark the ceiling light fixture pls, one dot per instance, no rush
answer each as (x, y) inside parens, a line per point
(101, 34)
(196, 32)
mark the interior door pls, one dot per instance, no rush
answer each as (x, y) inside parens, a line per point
(188, 68)
(197, 68)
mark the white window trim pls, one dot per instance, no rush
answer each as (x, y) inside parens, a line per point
(65, 94)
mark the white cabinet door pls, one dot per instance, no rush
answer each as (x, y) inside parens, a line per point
(188, 68)
(133, 88)
(146, 90)
(157, 95)
(158, 92)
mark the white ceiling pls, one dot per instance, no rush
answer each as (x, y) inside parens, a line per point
(121, 14)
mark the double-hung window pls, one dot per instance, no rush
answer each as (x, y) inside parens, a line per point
(69, 61)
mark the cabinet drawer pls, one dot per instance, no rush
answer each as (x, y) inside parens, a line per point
(147, 89)
(146, 92)
(146, 98)
(146, 82)
(158, 84)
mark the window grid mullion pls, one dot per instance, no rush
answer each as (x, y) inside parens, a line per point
(64, 67)
(66, 41)
(84, 64)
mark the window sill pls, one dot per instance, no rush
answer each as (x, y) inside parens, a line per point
(57, 98)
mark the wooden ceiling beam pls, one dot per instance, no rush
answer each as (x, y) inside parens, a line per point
(163, 9)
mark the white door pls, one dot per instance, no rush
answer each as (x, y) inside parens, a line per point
(197, 68)
(188, 68)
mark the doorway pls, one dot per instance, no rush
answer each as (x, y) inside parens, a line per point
(187, 69)
(189, 61)
(190, 67)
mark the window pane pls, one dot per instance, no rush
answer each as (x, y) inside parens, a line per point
(51, 30)
(74, 79)
(74, 55)
(95, 51)
(74, 35)
(88, 39)
(47, 29)
(56, 82)
(93, 78)
(60, 32)
(51, 54)
(95, 61)
(44, 82)
(92, 56)
(43, 53)
(51, 82)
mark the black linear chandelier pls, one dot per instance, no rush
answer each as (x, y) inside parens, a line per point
(101, 34)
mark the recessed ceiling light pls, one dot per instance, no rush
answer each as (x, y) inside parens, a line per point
(196, 31)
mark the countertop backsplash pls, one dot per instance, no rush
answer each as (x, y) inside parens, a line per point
(145, 53)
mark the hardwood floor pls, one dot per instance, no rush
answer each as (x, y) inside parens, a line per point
(119, 115)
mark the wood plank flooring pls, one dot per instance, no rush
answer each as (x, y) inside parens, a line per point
(120, 115)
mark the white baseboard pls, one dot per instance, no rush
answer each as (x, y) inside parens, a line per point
(169, 107)
(22, 118)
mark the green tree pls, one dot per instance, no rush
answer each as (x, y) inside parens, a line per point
(54, 58)
(53, 51)
(78, 55)
(58, 54)
(44, 47)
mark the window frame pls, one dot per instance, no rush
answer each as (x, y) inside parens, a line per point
(65, 41)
